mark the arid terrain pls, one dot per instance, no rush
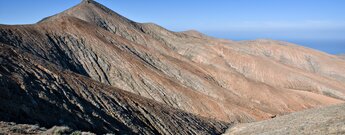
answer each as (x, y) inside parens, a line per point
(92, 70)
(320, 121)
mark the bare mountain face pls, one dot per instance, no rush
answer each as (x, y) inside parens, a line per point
(36, 91)
(78, 63)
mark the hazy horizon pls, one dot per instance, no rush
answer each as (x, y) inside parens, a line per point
(316, 24)
(331, 46)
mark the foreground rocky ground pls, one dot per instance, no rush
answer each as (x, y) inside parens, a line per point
(18, 129)
(321, 121)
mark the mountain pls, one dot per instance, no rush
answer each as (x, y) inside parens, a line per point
(92, 69)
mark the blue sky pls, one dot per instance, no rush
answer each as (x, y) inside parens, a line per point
(318, 24)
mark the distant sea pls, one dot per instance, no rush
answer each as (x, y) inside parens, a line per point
(328, 46)
(334, 46)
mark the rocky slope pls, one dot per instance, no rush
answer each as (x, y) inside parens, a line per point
(188, 72)
(321, 121)
(38, 92)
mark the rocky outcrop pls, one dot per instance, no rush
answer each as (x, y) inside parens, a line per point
(321, 121)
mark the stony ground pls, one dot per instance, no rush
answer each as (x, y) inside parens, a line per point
(19, 129)
(321, 121)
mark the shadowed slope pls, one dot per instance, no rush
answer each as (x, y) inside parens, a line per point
(38, 92)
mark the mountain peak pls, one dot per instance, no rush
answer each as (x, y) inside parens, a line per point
(87, 1)
(90, 11)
